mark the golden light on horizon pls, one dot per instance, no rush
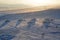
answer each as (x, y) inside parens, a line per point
(30, 5)
(31, 2)
(40, 2)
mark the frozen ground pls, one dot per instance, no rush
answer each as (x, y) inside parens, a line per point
(44, 25)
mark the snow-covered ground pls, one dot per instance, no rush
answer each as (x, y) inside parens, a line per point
(34, 26)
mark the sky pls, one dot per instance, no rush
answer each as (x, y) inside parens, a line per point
(22, 4)
(31, 2)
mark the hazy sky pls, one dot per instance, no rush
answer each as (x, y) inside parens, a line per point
(22, 4)
(31, 2)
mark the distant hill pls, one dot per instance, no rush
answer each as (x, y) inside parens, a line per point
(52, 13)
(24, 8)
